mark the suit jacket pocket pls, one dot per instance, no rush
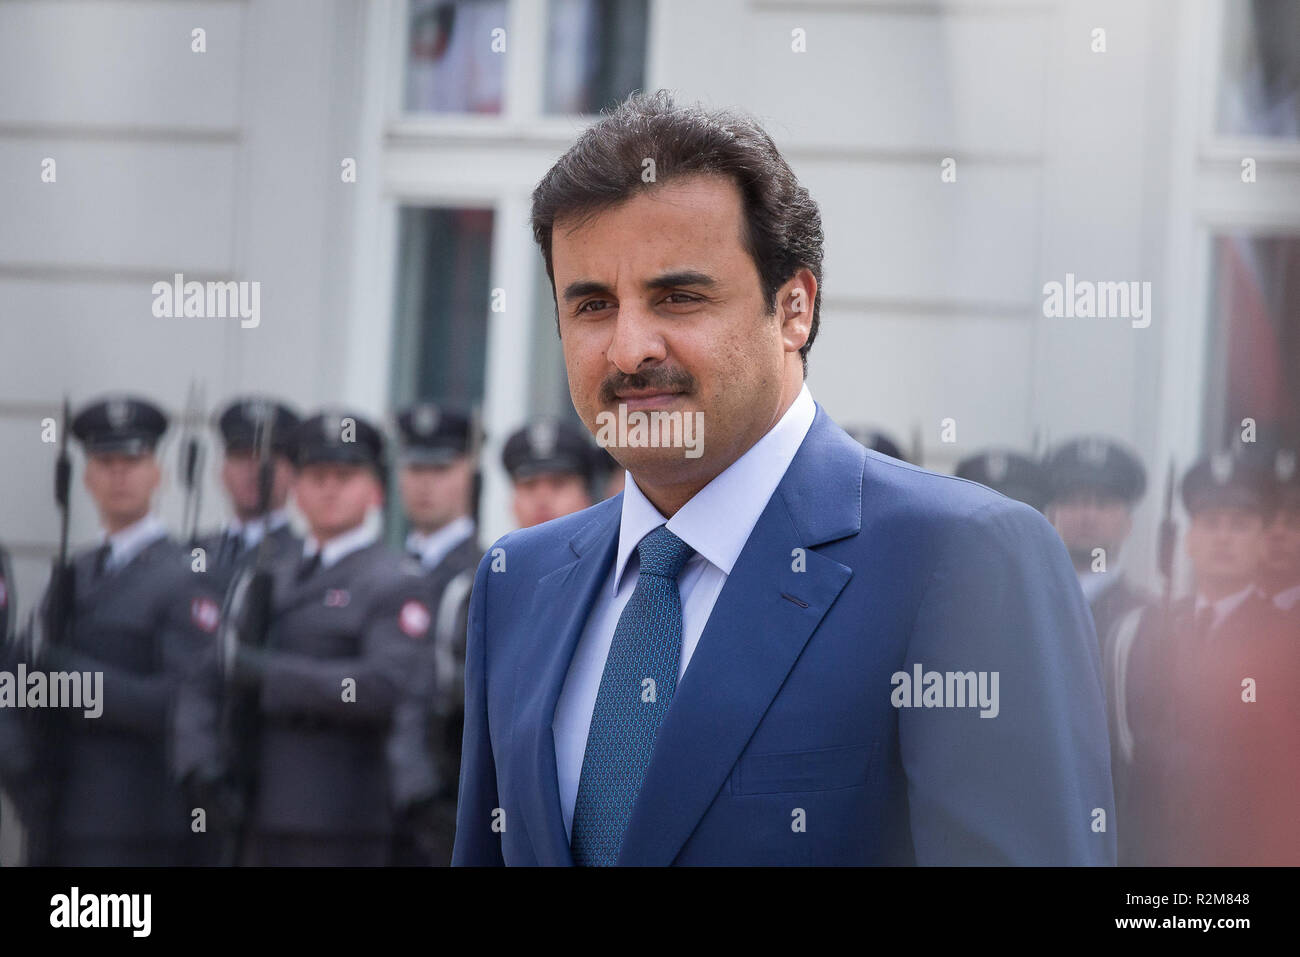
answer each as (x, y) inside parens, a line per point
(823, 769)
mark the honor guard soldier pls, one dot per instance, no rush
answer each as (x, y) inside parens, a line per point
(1094, 484)
(1280, 573)
(142, 617)
(1183, 693)
(347, 624)
(1014, 475)
(552, 465)
(239, 425)
(437, 478)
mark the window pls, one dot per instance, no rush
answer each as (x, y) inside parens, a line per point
(595, 53)
(451, 65)
(1259, 92)
(1254, 351)
(443, 297)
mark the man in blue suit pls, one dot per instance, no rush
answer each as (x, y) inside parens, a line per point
(775, 647)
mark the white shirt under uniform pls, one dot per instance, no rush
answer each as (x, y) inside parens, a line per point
(716, 522)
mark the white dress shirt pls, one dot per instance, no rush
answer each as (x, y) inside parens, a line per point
(126, 543)
(1225, 606)
(341, 546)
(1095, 584)
(436, 546)
(254, 530)
(716, 522)
(1288, 599)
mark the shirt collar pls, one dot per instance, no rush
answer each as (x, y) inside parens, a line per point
(718, 519)
(1226, 605)
(253, 530)
(341, 546)
(1287, 598)
(1095, 584)
(126, 543)
(435, 546)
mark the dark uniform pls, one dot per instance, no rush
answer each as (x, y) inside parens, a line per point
(1103, 470)
(1014, 475)
(1286, 479)
(230, 548)
(347, 624)
(142, 618)
(424, 749)
(1216, 774)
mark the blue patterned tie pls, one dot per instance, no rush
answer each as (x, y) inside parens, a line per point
(635, 691)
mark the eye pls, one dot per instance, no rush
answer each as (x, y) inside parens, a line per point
(681, 297)
(600, 303)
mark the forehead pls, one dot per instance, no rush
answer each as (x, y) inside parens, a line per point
(343, 470)
(692, 221)
(120, 458)
(1231, 514)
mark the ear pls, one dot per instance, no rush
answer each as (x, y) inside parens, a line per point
(794, 307)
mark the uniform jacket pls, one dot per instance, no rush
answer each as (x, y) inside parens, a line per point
(321, 757)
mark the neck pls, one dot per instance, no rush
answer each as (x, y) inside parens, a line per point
(429, 529)
(115, 523)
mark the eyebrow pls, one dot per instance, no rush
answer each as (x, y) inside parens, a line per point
(685, 277)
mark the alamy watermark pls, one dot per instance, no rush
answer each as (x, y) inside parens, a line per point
(946, 689)
(208, 300)
(656, 429)
(54, 689)
(1085, 299)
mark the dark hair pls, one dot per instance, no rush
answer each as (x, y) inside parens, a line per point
(783, 226)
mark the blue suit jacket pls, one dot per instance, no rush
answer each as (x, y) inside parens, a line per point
(783, 744)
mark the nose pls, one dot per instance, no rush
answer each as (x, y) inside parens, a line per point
(636, 340)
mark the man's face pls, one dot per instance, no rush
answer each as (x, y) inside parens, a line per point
(1282, 546)
(122, 486)
(1225, 546)
(1086, 520)
(435, 495)
(540, 498)
(334, 497)
(239, 476)
(660, 308)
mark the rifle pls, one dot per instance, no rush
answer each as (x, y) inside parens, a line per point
(52, 626)
(1168, 541)
(475, 450)
(191, 459)
(246, 621)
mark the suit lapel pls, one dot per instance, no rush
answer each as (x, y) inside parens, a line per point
(565, 596)
(753, 638)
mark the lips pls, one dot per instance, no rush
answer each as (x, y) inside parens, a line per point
(645, 399)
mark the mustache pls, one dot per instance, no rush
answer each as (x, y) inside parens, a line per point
(665, 380)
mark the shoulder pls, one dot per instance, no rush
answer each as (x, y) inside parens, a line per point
(932, 513)
(543, 548)
(168, 563)
(386, 573)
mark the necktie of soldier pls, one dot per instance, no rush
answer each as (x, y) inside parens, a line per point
(635, 690)
(308, 566)
(102, 555)
(231, 546)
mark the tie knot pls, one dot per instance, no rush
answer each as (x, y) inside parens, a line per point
(663, 553)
